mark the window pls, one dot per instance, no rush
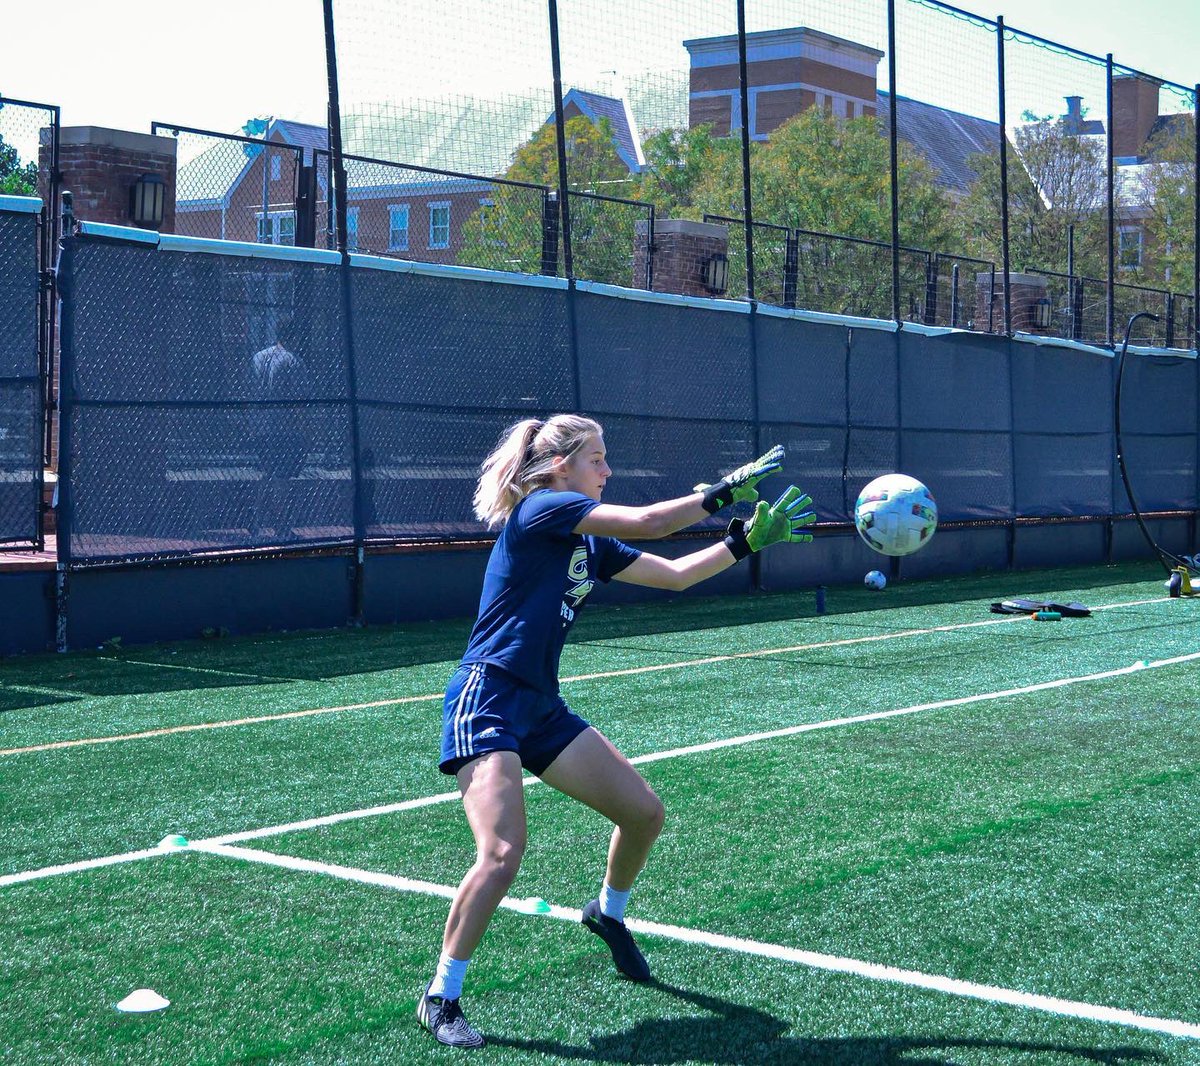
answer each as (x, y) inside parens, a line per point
(398, 228)
(489, 222)
(277, 227)
(276, 169)
(439, 225)
(352, 229)
(1129, 247)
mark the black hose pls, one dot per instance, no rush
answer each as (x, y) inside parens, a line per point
(1162, 553)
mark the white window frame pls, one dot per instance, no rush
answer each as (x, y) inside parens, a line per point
(276, 167)
(1125, 244)
(275, 223)
(394, 211)
(433, 207)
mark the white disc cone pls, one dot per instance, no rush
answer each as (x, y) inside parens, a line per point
(141, 1001)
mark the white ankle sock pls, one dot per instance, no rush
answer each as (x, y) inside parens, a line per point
(448, 981)
(612, 902)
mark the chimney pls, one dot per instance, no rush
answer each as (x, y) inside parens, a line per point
(1073, 119)
(1135, 110)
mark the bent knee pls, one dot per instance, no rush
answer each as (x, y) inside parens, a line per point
(502, 858)
(649, 815)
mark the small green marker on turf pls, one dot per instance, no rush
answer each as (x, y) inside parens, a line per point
(175, 840)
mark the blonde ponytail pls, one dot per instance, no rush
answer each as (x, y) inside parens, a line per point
(523, 461)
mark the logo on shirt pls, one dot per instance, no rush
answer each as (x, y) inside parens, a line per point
(577, 574)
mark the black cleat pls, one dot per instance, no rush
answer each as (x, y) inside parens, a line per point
(625, 953)
(444, 1018)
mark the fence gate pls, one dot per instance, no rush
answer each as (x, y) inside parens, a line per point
(29, 232)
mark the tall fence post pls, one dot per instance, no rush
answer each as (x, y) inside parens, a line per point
(65, 272)
(1005, 251)
(564, 206)
(791, 268)
(747, 198)
(1195, 316)
(560, 124)
(358, 566)
(894, 149)
(1110, 305)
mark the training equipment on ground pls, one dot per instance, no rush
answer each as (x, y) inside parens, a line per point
(142, 1001)
(778, 523)
(739, 486)
(895, 514)
(875, 580)
(1064, 610)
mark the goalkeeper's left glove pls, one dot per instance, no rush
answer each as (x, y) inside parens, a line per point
(776, 523)
(739, 486)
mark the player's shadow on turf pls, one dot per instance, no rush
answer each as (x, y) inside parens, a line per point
(731, 1034)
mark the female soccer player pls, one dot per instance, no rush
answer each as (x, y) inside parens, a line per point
(542, 487)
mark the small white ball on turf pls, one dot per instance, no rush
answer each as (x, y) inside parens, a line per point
(895, 515)
(875, 580)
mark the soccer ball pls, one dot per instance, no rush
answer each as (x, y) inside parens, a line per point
(895, 514)
(875, 580)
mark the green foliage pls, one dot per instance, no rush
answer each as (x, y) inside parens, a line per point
(507, 233)
(1056, 180)
(16, 179)
(1170, 186)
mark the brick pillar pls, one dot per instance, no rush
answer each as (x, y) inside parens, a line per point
(1027, 290)
(99, 167)
(681, 250)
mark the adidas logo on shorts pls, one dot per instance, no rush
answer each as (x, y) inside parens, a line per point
(488, 733)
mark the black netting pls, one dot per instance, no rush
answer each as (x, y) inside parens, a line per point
(211, 403)
(1159, 432)
(20, 395)
(663, 360)
(213, 409)
(446, 342)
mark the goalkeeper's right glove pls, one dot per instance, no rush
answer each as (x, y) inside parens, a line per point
(779, 522)
(739, 486)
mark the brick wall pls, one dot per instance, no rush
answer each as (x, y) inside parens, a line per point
(99, 167)
(681, 250)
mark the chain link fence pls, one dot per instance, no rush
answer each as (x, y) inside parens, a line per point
(21, 398)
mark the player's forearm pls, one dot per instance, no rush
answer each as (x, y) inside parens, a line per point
(670, 516)
(699, 566)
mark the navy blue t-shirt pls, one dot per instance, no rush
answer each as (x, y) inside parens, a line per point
(537, 579)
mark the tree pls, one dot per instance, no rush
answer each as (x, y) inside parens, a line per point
(16, 179)
(506, 234)
(816, 172)
(1056, 180)
(1169, 187)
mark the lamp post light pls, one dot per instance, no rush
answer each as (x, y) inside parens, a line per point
(147, 196)
(715, 271)
(1041, 313)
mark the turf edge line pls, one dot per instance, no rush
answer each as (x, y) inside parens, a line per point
(816, 960)
(628, 672)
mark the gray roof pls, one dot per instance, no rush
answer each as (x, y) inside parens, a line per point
(596, 106)
(946, 138)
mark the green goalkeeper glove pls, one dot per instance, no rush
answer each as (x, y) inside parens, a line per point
(776, 523)
(739, 487)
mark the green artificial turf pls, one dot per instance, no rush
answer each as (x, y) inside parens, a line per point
(1043, 841)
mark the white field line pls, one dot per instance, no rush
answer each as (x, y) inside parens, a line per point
(627, 672)
(749, 738)
(816, 960)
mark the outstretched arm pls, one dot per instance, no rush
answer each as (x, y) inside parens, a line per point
(662, 519)
(783, 521)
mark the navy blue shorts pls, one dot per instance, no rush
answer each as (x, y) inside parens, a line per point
(487, 709)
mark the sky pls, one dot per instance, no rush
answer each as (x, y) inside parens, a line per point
(216, 64)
